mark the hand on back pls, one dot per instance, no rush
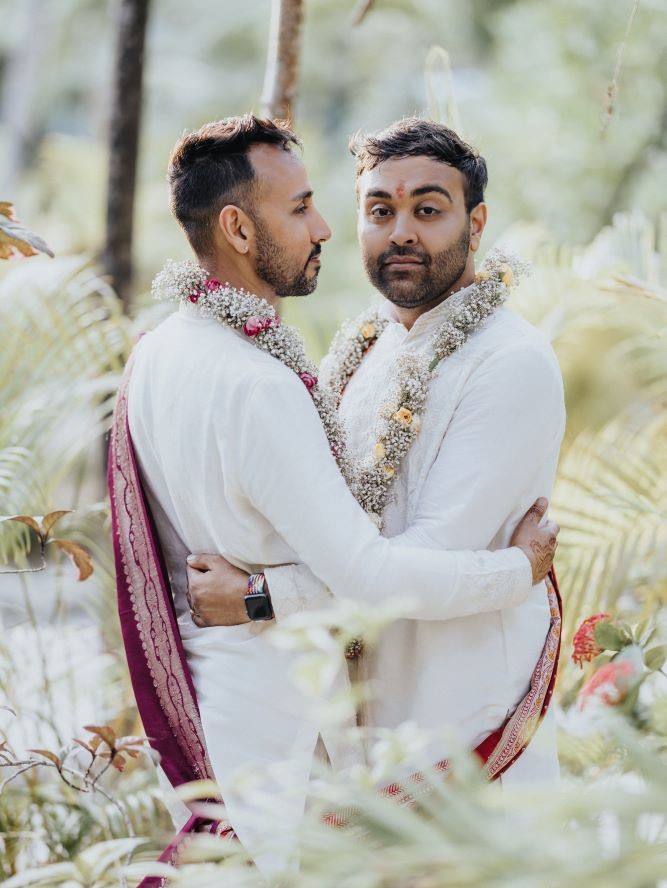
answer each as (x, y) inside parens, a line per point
(537, 541)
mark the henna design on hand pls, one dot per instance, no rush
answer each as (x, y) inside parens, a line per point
(543, 556)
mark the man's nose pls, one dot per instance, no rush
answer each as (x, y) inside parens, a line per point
(402, 234)
(321, 232)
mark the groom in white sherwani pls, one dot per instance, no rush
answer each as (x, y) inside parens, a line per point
(488, 445)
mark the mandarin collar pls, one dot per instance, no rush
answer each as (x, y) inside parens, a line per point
(431, 320)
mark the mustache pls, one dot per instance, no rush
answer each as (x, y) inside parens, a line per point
(317, 249)
(394, 252)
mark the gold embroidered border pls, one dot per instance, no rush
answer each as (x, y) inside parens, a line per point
(522, 725)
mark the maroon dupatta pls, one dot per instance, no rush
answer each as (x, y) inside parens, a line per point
(160, 676)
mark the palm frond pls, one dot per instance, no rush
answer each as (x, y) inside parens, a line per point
(610, 501)
(63, 344)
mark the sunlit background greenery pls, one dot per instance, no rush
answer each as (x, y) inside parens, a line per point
(571, 114)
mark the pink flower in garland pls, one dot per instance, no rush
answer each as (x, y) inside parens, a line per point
(195, 297)
(255, 325)
(610, 684)
(584, 645)
(308, 380)
(212, 284)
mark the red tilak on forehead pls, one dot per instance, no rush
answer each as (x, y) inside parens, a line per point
(400, 190)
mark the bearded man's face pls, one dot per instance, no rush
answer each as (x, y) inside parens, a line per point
(289, 230)
(414, 229)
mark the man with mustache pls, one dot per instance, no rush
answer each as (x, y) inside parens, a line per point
(224, 440)
(489, 443)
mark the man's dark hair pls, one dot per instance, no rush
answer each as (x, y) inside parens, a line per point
(414, 137)
(210, 168)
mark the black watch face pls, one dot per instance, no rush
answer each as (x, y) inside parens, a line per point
(259, 607)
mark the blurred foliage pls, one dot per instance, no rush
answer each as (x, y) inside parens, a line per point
(530, 81)
(63, 343)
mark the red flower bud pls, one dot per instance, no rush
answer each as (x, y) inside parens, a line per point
(308, 380)
(253, 326)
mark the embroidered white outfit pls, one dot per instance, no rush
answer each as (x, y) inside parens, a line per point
(488, 447)
(234, 460)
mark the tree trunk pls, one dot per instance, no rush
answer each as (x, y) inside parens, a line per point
(124, 125)
(282, 64)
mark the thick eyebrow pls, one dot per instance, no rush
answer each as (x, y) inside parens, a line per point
(428, 189)
(383, 195)
(304, 195)
(417, 192)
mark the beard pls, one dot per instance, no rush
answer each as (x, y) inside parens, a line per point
(281, 271)
(426, 283)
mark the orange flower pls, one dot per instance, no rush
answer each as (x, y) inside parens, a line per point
(584, 645)
(368, 330)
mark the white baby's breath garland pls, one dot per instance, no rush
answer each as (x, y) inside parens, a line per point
(186, 282)
(400, 417)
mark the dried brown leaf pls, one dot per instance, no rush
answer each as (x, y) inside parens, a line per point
(105, 732)
(130, 741)
(78, 555)
(32, 523)
(51, 756)
(49, 520)
(133, 753)
(15, 238)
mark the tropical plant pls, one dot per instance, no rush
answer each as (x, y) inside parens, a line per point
(606, 314)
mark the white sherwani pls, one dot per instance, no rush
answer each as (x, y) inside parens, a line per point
(234, 460)
(487, 449)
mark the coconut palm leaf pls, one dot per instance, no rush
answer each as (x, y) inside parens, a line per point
(63, 344)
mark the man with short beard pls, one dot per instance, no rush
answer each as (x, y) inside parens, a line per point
(488, 445)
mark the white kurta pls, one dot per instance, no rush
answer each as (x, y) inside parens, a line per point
(235, 461)
(487, 449)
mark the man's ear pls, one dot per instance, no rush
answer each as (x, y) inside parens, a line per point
(237, 227)
(477, 224)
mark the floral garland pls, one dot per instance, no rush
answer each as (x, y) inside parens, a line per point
(187, 282)
(400, 417)
(349, 347)
(371, 478)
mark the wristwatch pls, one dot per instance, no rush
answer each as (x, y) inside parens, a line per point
(257, 600)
